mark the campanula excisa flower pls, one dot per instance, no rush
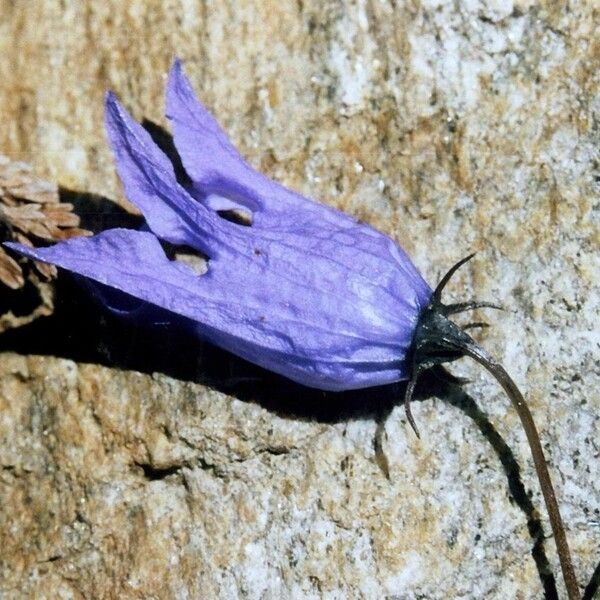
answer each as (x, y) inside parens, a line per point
(305, 291)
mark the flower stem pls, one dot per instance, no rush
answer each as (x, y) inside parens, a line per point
(515, 396)
(438, 340)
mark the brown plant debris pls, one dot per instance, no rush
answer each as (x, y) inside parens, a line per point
(30, 213)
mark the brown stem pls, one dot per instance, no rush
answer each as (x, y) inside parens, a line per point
(515, 396)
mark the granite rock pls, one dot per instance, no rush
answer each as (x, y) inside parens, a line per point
(454, 127)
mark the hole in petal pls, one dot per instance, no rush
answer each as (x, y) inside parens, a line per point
(237, 215)
(231, 209)
(187, 256)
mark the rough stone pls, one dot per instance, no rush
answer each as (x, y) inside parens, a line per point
(454, 127)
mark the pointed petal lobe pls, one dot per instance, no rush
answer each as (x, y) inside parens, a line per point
(150, 183)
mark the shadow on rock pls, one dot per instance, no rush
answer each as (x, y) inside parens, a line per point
(164, 140)
(456, 396)
(97, 213)
(593, 586)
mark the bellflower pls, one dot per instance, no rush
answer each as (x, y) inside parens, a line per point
(305, 291)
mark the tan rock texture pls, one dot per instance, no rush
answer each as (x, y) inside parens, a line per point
(142, 464)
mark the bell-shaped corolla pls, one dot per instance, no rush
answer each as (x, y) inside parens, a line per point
(305, 290)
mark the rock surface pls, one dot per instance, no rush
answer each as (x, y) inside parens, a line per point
(454, 127)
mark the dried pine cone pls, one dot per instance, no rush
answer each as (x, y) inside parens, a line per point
(30, 212)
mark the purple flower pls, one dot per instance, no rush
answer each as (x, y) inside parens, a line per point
(305, 291)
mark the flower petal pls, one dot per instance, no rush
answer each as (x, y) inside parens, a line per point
(216, 168)
(209, 157)
(150, 183)
(306, 291)
(247, 308)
